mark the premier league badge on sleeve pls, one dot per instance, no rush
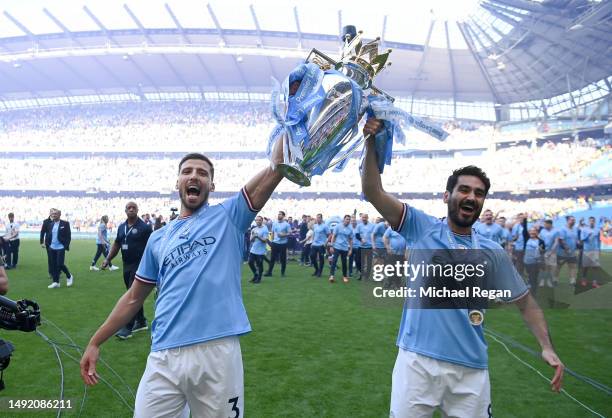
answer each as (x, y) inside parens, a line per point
(476, 317)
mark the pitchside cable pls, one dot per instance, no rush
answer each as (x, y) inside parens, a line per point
(57, 348)
(544, 377)
(585, 379)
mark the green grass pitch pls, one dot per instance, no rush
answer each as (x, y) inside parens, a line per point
(316, 350)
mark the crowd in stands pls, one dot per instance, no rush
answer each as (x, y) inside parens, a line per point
(516, 168)
(171, 126)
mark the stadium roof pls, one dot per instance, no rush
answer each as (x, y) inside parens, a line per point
(500, 51)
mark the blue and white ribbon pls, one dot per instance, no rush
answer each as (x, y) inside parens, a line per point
(393, 117)
(292, 120)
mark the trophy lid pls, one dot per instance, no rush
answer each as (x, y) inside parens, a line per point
(363, 54)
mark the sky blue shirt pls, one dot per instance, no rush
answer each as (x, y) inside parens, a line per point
(396, 241)
(280, 227)
(517, 234)
(494, 232)
(55, 244)
(590, 237)
(102, 230)
(257, 246)
(343, 234)
(532, 251)
(356, 242)
(549, 237)
(365, 232)
(447, 334)
(321, 232)
(378, 232)
(196, 264)
(570, 240)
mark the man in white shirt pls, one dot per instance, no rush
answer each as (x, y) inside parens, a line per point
(12, 242)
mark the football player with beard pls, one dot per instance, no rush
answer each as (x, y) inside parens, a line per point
(195, 262)
(442, 360)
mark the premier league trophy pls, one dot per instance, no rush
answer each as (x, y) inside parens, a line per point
(318, 122)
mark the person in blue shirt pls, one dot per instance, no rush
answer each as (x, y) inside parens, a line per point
(591, 246)
(341, 246)
(280, 237)
(489, 229)
(102, 244)
(321, 235)
(395, 245)
(364, 230)
(259, 239)
(567, 250)
(519, 231)
(442, 360)
(550, 236)
(195, 263)
(355, 256)
(501, 221)
(534, 249)
(378, 245)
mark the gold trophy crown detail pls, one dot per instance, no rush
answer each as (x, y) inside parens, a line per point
(364, 54)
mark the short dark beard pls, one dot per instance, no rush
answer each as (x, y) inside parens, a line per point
(453, 215)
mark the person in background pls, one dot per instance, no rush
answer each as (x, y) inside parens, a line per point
(303, 230)
(102, 245)
(591, 247)
(321, 235)
(57, 241)
(131, 240)
(532, 258)
(364, 231)
(567, 250)
(378, 244)
(341, 246)
(12, 242)
(259, 239)
(550, 237)
(355, 256)
(280, 230)
(395, 244)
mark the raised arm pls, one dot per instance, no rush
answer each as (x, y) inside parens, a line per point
(260, 188)
(388, 205)
(534, 318)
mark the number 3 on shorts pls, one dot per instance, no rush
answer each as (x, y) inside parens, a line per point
(235, 409)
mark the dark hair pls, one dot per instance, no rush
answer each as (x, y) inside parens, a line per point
(567, 218)
(198, 156)
(11, 215)
(470, 170)
(347, 216)
(281, 211)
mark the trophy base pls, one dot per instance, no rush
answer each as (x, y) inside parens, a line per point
(293, 174)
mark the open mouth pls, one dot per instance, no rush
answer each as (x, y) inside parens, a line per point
(468, 208)
(193, 191)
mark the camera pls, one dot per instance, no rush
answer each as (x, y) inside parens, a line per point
(22, 315)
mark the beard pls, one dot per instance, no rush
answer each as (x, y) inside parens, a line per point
(453, 214)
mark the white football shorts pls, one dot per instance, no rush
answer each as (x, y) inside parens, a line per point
(423, 384)
(206, 378)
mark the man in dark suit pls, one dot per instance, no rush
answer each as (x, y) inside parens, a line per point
(57, 242)
(43, 234)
